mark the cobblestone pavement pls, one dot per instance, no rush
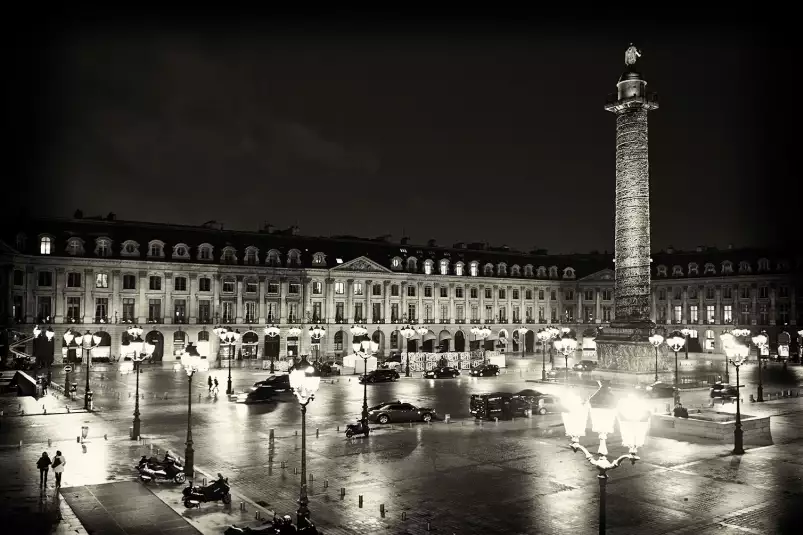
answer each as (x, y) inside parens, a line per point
(510, 477)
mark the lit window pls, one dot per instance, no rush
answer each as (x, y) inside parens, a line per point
(101, 280)
(474, 269)
(340, 288)
(458, 269)
(74, 247)
(428, 267)
(357, 288)
(45, 245)
(444, 267)
(394, 263)
(204, 252)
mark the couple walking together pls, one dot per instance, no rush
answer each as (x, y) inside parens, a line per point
(44, 464)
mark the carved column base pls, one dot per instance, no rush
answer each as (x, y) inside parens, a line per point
(625, 347)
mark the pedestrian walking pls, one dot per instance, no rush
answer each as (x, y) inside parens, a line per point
(58, 467)
(43, 464)
(215, 388)
(209, 382)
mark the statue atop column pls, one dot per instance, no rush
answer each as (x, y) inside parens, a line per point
(632, 54)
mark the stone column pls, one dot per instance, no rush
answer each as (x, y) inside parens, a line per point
(282, 304)
(754, 295)
(349, 316)
(58, 313)
(685, 312)
(238, 311)
(420, 308)
(547, 305)
(579, 314)
(167, 312)
(654, 305)
(386, 299)
(718, 306)
(495, 311)
(481, 309)
(452, 312)
(701, 305)
(369, 311)
(772, 304)
(436, 299)
(262, 311)
(193, 304)
(142, 301)
(117, 306)
(307, 288)
(792, 307)
(30, 298)
(329, 312)
(216, 312)
(668, 306)
(598, 305)
(403, 305)
(509, 292)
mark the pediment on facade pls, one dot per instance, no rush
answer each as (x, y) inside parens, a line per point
(363, 264)
(602, 275)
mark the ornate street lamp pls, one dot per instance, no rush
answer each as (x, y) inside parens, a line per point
(686, 332)
(481, 332)
(358, 331)
(69, 336)
(365, 350)
(140, 351)
(760, 341)
(271, 331)
(304, 382)
(407, 333)
(230, 338)
(192, 362)
(545, 335)
(48, 334)
(566, 345)
(675, 342)
(522, 330)
(656, 340)
(738, 356)
(315, 335)
(634, 422)
(422, 330)
(729, 339)
(219, 331)
(89, 342)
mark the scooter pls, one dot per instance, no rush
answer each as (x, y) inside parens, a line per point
(168, 469)
(356, 429)
(218, 490)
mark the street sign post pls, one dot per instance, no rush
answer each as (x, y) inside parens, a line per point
(67, 368)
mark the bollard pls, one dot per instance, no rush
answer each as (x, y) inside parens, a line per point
(382, 509)
(129, 395)
(257, 516)
(20, 444)
(752, 399)
(429, 526)
(296, 432)
(284, 464)
(317, 432)
(496, 420)
(106, 437)
(404, 515)
(49, 443)
(199, 398)
(338, 428)
(77, 439)
(270, 438)
(242, 506)
(360, 504)
(44, 410)
(295, 470)
(326, 483)
(342, 489)
(203, 482)
(165, 397)
(448, 417)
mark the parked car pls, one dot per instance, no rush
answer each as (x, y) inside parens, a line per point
(585, 366)
(400, 412)
(278, 384)
(441, 372)
(539, 402)
(504, 405)
(256, 394)
(719, 390)
(380, 375)
(485, 370)
(657, 389)
(557, 374)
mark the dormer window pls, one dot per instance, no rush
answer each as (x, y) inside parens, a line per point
(501, 269)
(763, 264)
(22, 242)
(542, 271)
(528, 270)
(710, 269)
(395, 262)
(228, 256)
(677, 271)
(458, 269)
(474, 269)
(319, 259)
(727, 267)
(274, 259)
(156, 249)
(488, 270)
(744, 267)
(412, 264)
(251, 256)
(427, 267)
(568, 273)
(515, 271)
(45, 245)
(694, 269)
(75, 247)
(553, 272)
(130, 248)
(444, 267)
(661, 271)
(180, 250)
(205, 251)
(103, 247)
(294, 257)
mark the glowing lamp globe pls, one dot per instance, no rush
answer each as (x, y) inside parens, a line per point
(49, 334)
(408, 332)
(603, 408)
(148, 348)
(634, 423)
(740, 351)
(656, 340)
(738, 333)
(191, 360)
(219, 331)
(356, 346)
(760, 340)
(676, 342)
(272, 331)
(575, 416)
(358, 330)
(522, 330)
(235, 335)
(727, 339)
(68, 337)
(135, 346)
(422, 330)
(293, 332)
(37, 331)
(304, 381)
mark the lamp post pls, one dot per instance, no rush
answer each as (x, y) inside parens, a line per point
(48, 334)
(739, 352)
(730, 339)
(686, 332)
(219, 331)
(90, 341)
(365, 349)
(675, 343)
(481, 332)
(546, 335)
(271, 331)
(407, 333)
(140, 351)
(566, 345)
(229, 338)
(656, 340)
(192, 362)
(305, 382)
(69, 336)
(760, 341)
(422, 331)
(522, 330)
(634, 422)
(799, 348)
(315, 335)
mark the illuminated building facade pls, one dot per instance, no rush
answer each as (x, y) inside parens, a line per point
(178, 282)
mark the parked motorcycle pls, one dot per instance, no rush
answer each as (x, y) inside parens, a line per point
(356, 429)
(168, 469)
(218, 490)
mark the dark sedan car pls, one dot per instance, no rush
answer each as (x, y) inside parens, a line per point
(400, 412)
(441, 372)
(486, 370)
(381, 375)
(256, 394)
(719, 390)
(657, 389)
(585, 366)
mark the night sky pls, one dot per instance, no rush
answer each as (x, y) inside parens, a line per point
(477, 131)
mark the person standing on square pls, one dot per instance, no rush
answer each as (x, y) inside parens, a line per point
(43, 464)
(58, 467)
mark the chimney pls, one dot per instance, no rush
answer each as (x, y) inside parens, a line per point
(79, 214)
(294, 230)
(267, 228)
(111, 217)
(431, 243)
(459, 245)
(405, 240)
(670, 250)
(700, 248)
